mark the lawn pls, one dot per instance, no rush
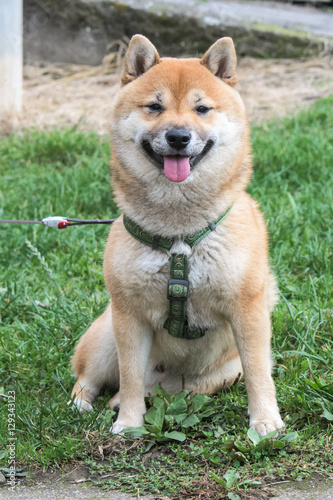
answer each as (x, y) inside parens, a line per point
(52, 288)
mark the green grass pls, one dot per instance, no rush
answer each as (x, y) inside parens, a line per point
(51, 288)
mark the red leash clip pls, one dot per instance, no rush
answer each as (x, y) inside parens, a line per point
(63, 224)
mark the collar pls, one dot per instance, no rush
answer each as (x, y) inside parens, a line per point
(165, 244)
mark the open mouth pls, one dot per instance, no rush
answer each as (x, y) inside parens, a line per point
(177, 167)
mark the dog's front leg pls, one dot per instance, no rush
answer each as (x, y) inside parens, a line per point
(134, 341)
(252, 331)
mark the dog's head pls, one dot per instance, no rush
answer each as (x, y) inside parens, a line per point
(180, 123)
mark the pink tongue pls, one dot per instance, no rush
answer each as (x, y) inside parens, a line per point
(177, 168)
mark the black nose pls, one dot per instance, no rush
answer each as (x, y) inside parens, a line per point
(178, 138)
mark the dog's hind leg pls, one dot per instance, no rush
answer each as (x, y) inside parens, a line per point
(95, 362)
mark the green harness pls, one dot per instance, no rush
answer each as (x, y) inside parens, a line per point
(178, 285)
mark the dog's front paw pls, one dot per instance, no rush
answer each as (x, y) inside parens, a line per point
(266, 425)
(117, 427)
(120, 424)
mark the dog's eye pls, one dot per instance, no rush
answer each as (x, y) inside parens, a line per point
(202, 110)
(155, 107)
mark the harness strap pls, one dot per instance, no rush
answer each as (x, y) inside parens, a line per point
(178, 289)
(156, 242)
(178, 284)
(195, 238)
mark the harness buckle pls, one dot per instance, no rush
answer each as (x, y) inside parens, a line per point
(178, 290)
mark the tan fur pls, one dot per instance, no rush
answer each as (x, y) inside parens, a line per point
(232, 290)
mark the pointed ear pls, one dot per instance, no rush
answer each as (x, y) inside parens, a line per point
(221, 60)
(140, 56)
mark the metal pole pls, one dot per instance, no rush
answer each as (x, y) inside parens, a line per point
(11, 57)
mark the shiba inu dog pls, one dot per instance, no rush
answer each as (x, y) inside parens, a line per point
(187, 263)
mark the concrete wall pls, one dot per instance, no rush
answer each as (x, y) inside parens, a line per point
(79, 31)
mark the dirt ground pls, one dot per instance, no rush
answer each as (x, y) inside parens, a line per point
(67, 95)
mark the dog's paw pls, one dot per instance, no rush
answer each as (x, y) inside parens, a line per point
(264, 426)
(120, 425)
(117, 427)
(80, 404)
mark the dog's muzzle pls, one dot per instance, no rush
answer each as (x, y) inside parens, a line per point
(159, 159)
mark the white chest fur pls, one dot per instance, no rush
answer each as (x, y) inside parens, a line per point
(213, 276)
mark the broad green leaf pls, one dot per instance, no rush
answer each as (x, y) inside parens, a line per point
(312, 384)
(233, 496)
(291, 436)
(154, 429)
(328, 415)
(218, 479)
(150, 415)
(170, 419)
(241, 447)
(271, 434)
(248, 481)
(177, 407)
(149, 446)
(158, 402)
(199, 400)
(190, 421)
(181, 395)
(230, 476)
(264, 444)
(155, 416)
(278, 444)
(206, 413)
(253, 436)
(135, 432)
(219, 431)
(159, 391)
(159, 417)
(317, 384)
(176, 436)
(179, 418)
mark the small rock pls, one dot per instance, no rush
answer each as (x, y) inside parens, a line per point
(2, 478)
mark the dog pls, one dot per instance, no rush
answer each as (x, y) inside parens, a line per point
(186, 265)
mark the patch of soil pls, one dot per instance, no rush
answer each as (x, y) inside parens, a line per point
(69, 95)
(71, 474)
(274, 88)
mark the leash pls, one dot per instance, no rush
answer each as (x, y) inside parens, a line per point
(59, 222)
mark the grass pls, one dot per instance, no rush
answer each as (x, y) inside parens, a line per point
(51, 288)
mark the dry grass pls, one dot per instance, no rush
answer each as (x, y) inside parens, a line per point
(67, 94)
(272, 88)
